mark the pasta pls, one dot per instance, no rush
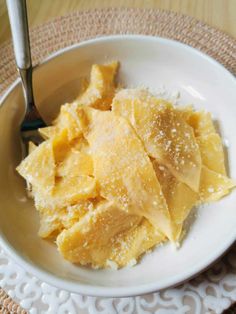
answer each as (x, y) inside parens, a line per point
(119, 171)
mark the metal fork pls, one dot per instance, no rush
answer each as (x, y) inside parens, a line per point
(17, 12)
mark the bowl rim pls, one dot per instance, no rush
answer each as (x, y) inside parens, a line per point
(93, 290)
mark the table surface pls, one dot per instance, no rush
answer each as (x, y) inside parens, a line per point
(217, 13)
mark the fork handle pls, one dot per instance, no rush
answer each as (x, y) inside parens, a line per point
(19, 27)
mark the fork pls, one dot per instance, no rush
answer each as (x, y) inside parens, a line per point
(17, 12)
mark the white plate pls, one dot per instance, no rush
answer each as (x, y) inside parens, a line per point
(148, 61)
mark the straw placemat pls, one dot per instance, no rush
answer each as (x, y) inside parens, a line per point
(78, 26)
(211, 292)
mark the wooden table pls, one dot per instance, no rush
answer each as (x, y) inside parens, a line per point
(217, 13)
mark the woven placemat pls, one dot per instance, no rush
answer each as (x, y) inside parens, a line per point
(79, 26)
(8, 306)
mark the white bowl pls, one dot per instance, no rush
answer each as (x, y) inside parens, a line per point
(148, 61)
